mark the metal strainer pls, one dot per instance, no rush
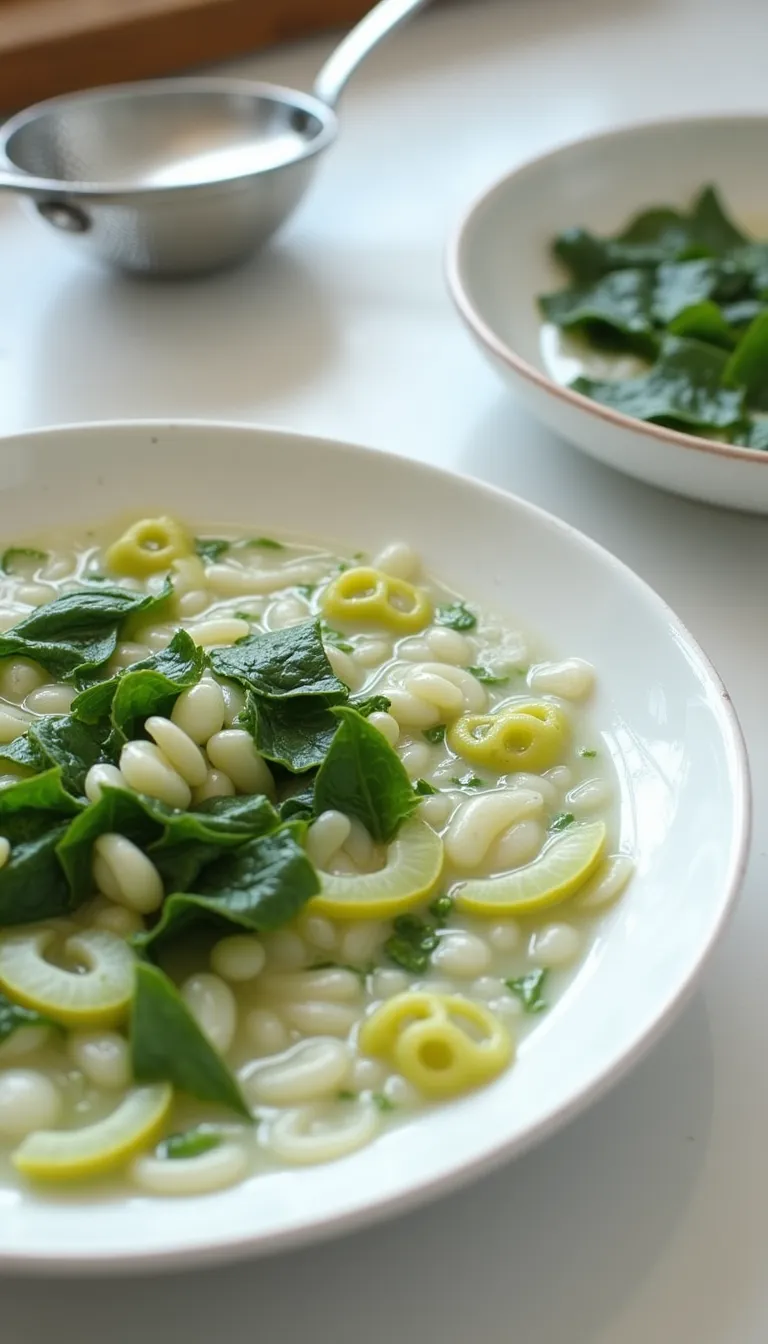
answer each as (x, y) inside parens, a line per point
(177, 176)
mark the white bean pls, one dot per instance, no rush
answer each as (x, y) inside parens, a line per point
(517, 846)
(401, 1093)
(53, 699)
(212, 1004)
(436, 809)
(284, 612)
(409, 710)
(572, 679)
(199, 711)
(188, 574)
(233, 750)
(344, 666)
(448, 646)
(237, 958)
(193, 603)
(185, 757)
(123, 872)
(359, 845)
(447, 699)
(461, 954)
(505, 937)
(361, 941)
(158, 637)
(267, 1033)
(231, 581)
(100, 777)
(28, 1100)
(19, 677)
(387, 726)
(479, 821)
(331, 984)
(320, 932)
(560, 777)
(127, 653)
(35, 594)
(366, 1075)
(387, 983)
(5, 850)
(608, 883)
(234, 702)
(372, 652)
(537, 783)
(508, 1007)
(219, 631)
(103, 1056)
(588, 797)
(13, 723)
(399, 560)
(118, 919)
(321, 1019)
(215, 785)
(416, 759)
(312, 1070)
(215, 1170)
(474, 695)
(488, 987)
(285, 950)
(326, 836)
(322, 1133)
(23, 1041)
(147, 769)
(414, 649)
(555, 945)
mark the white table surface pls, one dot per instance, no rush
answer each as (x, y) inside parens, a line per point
(647, 1219)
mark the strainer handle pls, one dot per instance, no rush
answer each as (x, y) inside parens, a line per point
(51, 202)
(382, 20)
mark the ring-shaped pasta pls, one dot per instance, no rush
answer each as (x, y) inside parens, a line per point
(425, 1037)
(530, 735)
(148, 547)
(366, 594)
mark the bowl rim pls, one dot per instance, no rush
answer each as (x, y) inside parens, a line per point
(167, 88)
(459, 285)
(486, 1160)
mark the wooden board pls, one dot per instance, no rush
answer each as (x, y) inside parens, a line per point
(55, 46)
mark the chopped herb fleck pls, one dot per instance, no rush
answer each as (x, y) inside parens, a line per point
(561, 821)
(489, 678)
(411, 944)
(529, 990)
(436, 734)
(383, 1103)
(441, 908)
(15, 553)
(424, 788)
(244, 616)
(306, 589)
(211, 549)
(457, 616)
(193, 1143)
(346, 1095)
(468, 781)
(266, 543)
(588, 753)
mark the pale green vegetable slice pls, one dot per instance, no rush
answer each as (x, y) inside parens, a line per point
(73, 1154)
(97, 994)
(559, 871)
(413, 867)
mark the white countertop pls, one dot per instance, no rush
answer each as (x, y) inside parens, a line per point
(647, 1219)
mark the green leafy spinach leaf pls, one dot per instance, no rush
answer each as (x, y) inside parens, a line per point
(363, 777)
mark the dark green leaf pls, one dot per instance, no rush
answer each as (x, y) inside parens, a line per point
(681, 285)
(529, 990)
(456, 615)
(21, 752)
(710, 226)
(296, 733)
(748, 365)
(653, 237)
(299, 806)
(42, 793)
(364, 778)
(371, 704)
(705, 322)
(145, 688)
(436, 734)
(423, 788)
(14, 554)
(411, 944)
(73, 636)
(60, 740)
(684, 389)
(617, 306)
(211, 549)
(260, 886)
(743, 312)
(754, 436)
(282, 664)
(192, 1143)
(33, 818)
(335, 638)
(13, 1016)
(168, 1046)
(561, 821)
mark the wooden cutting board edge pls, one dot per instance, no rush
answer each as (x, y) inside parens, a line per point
(49, 47)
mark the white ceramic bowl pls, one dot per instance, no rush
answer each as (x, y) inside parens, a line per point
(499, 262)
(664, 717)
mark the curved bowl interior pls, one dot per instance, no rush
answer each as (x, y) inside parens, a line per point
(664, 718)
(503, 256)
(165, 134)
